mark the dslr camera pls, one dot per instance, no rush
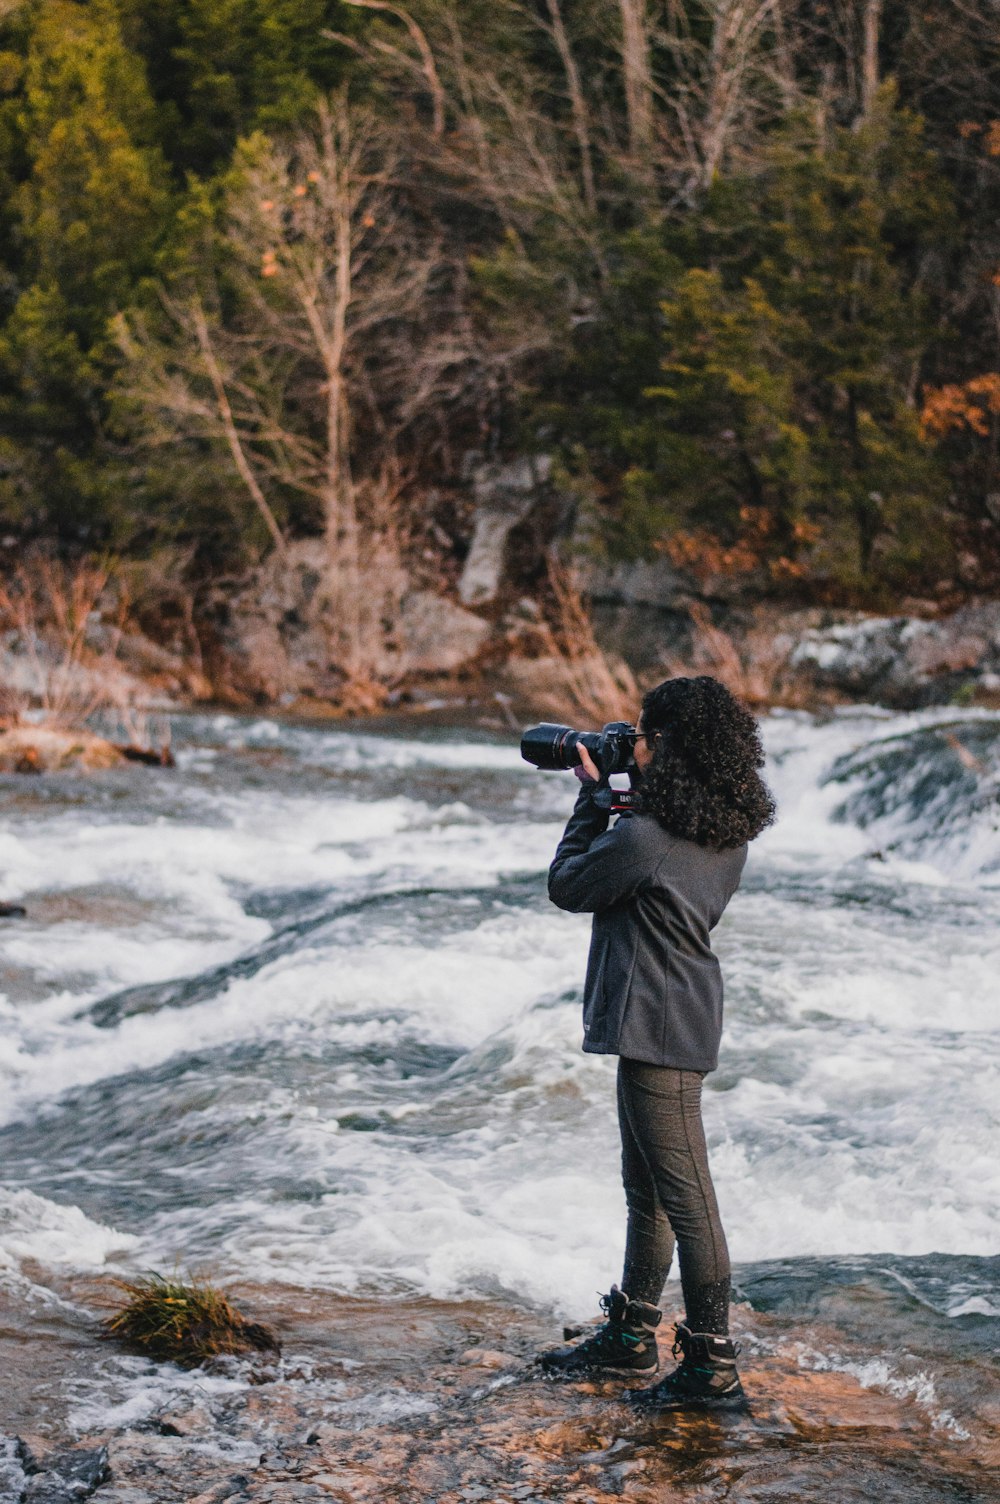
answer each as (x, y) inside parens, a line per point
(552, 747)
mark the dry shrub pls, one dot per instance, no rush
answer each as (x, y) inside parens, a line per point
(49, 609)
(581, 679)
(186, 1323)
(756, 669)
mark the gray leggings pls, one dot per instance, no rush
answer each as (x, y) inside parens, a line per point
(668, 1187)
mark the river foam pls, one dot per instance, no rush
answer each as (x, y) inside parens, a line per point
(300, 1011)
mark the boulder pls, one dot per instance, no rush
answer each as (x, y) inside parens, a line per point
(435, 636)
(275, 638)
(270, 630)
(67, 1477)
(640, 582)
(903, 660)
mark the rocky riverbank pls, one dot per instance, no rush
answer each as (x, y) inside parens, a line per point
(416, 1400)
(484, 633)
(482, 616)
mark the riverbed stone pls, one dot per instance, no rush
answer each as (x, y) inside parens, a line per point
(68, 1477)
(484, 1357)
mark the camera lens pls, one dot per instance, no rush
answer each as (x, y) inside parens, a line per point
(551, 747)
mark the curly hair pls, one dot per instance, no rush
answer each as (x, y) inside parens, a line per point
(702, 783)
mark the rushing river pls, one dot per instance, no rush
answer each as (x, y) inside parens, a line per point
(299, 1011)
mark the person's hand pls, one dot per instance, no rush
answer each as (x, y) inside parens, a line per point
(588, 767)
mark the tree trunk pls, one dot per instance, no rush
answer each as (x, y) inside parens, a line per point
(871, 25)
(638, 76)
(341, 517)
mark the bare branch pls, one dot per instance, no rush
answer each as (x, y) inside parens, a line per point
(426, 55)
(577, 102)
(200, 324)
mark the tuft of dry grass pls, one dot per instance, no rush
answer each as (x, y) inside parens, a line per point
(755, 669)
(184, 1322)
(50, 608)
(581, 678)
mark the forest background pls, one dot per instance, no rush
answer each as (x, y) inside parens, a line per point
(287, 270)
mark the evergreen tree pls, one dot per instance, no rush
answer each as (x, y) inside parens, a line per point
(91, 203)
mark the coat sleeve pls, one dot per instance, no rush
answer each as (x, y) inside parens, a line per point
(593, 867)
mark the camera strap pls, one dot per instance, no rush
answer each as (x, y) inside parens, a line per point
(618, 801)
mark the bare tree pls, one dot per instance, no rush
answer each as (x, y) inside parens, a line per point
(309, 344)
(736, 32)
(719, 84)
(52, 609)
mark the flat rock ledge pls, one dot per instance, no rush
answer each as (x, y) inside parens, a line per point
(50, 749)
(432, 1401)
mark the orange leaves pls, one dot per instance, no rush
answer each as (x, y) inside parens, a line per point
(990, 134)
(953, 407)
(701, 552)
(269, 264)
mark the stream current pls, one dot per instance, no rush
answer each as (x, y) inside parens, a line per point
(298, 1011)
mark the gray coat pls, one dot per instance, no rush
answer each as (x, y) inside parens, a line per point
(654, 989)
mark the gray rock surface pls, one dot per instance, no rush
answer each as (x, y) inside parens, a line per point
(65, 1477)
(275, 631)
(504, 495)
(435, 635)
(902, 660)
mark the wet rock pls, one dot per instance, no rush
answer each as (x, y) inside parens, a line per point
(182, 1422)
(504, 494)
(49, 749)
(66, 1477)
(15, 1466)
(484, 1357)
(812, 1434)
(234, 1487)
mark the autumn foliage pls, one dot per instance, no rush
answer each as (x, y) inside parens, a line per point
(969, 406)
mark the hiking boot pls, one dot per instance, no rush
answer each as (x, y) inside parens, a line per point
(705, 1379)
(626, 1343)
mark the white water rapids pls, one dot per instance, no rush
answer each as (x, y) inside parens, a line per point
(299, 1011)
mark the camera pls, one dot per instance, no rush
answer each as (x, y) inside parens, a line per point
(548, 746)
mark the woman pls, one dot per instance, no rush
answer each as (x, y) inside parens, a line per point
(657, 883)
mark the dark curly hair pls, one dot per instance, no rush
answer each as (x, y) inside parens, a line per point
(702, 783)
